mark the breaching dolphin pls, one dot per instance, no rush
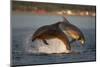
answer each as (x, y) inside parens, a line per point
(72, 31)
(62, 30)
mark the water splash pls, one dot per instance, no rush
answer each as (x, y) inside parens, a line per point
(55, 46)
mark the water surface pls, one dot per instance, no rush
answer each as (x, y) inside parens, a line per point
(24, 25)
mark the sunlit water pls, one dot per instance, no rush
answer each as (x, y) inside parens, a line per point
(24, 51)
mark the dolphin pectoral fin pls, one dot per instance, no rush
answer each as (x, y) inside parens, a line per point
(67, 43)
(33, 39)
(68, 46)
(73, 40)
(45, 42)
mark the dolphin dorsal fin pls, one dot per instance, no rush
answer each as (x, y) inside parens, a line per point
(65, 20)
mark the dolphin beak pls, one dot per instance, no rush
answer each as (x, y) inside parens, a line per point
(82, 41)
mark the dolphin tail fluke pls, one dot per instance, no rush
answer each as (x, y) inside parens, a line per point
(64, 19)
(45, 42)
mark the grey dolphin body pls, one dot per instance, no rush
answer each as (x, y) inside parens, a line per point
(61, 30)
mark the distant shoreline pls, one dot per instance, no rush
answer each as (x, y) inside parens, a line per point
(49, 13)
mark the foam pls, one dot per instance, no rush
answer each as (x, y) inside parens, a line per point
(55, 46)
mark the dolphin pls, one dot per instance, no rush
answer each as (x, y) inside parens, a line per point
(49, 32)
(72, 31)
(62, 30)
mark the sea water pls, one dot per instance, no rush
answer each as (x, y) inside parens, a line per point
(23, 26)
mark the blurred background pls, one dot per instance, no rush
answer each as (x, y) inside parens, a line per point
(51, 8)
